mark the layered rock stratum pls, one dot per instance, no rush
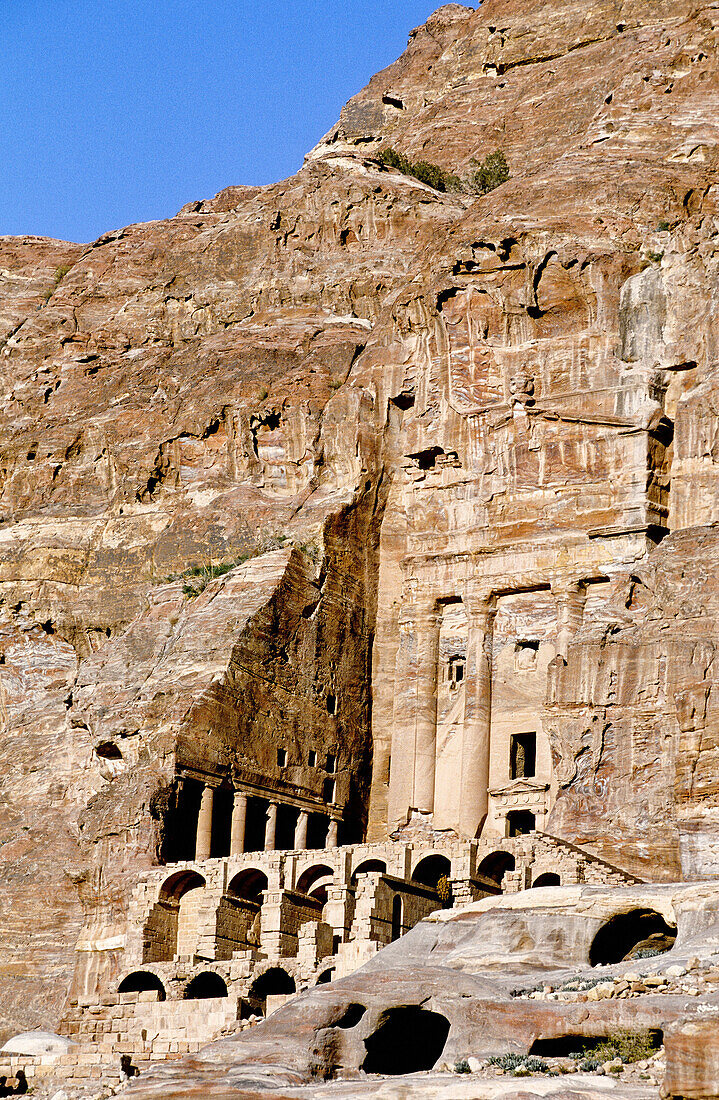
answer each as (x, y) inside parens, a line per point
(268, 379)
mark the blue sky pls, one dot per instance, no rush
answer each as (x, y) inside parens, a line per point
(116, 111)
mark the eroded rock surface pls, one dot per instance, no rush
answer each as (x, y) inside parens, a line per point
(454, 431)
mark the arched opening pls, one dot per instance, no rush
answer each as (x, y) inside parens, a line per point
(249, 885)
(314, 882)
(495, 866)
(520, 822)
(367, 867)
(273, 983)
(239, 914)
(142, 981)
(325, 977)
(431, 869)
(172, 928)
(627, 934)
(205, 986)
(435, 872)
(396, 917)
(547, 879)
(406, 1041)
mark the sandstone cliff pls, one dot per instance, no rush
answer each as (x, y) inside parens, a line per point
(259, 374)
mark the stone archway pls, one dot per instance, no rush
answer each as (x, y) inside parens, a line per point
(172, 925)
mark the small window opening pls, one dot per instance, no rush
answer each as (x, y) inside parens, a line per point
(522, 755)
(331, 763)
(455, 672)
(525, 655)
(331, 704)
(312, 758)
(396, 917)
(282, 758)
(520, 822)
(328, 790)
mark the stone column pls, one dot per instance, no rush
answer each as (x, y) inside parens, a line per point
(332, 833)
(301, 831)
(271, 827)
(204, 824)
(473, 781)
(414, 740)
(570, 597)
(239, 817)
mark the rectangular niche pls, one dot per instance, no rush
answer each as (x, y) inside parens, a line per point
(525, 655)
(522, 756)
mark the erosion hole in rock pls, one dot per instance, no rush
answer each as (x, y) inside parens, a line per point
(624, 932)
(427, 460)
(142, 981)
(547, 879)
(407, 1040)
(561, 1046)
(402, 401)
(205, 986)
(108, 750)
(351, 1016)
(495, 866)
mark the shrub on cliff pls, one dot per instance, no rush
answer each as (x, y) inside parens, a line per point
(421, 170)
(488, 173)
(484, 177)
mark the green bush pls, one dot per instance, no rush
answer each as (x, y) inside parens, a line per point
(629, 1046)
(488, 173)
(462, 1066)
(195, 578)
(61, 272)
(431, 174)
(484, 177)
(512, 1062)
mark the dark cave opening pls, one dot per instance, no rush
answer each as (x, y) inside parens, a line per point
(407, 1039)
(625, 932)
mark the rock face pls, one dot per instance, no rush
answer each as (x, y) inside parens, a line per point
(456, 454)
